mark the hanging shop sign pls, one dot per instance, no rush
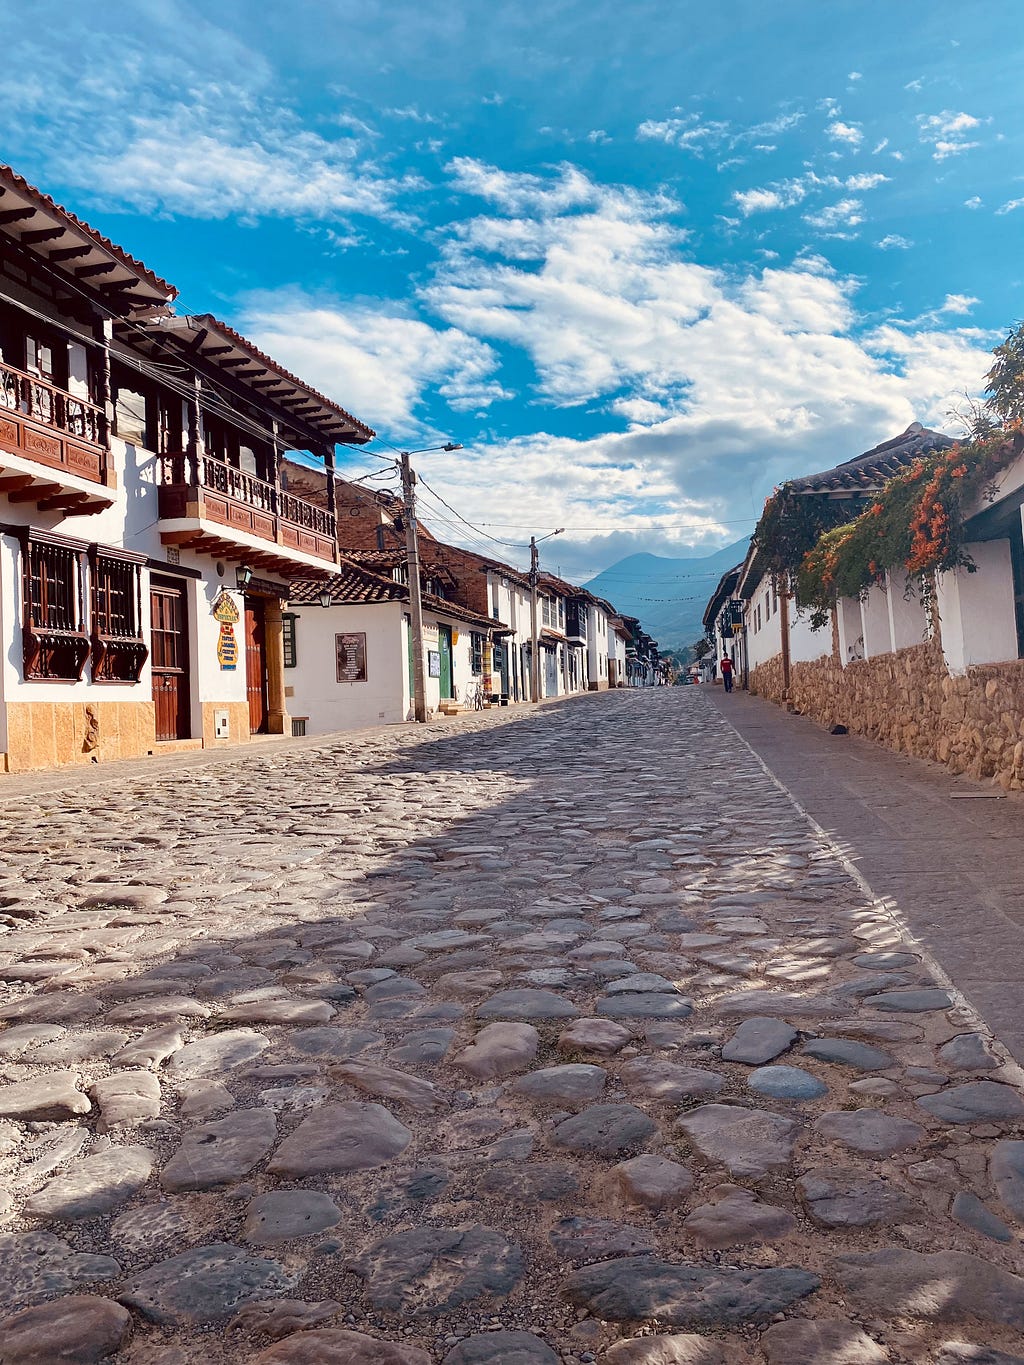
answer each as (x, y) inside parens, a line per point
(225, 610)
(227, 647)
(350, 652)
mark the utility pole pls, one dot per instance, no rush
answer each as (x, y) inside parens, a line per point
(412, 559)
(534, 627)
(534, 632)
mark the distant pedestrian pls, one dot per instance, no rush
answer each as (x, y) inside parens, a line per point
(726, 670)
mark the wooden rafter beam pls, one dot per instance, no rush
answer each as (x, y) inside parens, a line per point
(13, 482)
(216, 350)
(235, 362)
(68, 253)
(64, 502)
(86, 272)
(33, 494)
(15, 216)
(41, 235)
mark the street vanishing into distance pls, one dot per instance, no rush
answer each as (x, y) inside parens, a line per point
(558, 1036)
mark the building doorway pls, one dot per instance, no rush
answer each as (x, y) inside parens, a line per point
(256, 664)
(169, 632)
(550, 672)
(444, 646)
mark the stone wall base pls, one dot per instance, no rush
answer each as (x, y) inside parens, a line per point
(909, 702)
(48, 734)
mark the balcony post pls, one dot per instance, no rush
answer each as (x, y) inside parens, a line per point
(332, 491)
(108, 420)
(275, 456)
(195, 420)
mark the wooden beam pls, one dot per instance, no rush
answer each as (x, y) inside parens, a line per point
(235, 362)
(15, 481)
(195, 345)
(41, 235)
(15, 216)
(63, 502)
(216, 350)
(84, 272)
(68, 253)
(41, 490)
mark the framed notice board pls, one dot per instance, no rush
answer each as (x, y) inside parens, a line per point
(350, 651)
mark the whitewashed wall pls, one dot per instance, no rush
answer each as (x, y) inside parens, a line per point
(315, 691)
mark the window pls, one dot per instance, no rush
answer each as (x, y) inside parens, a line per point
(476, 651)
(118, 647)
(288, 620)
(54, 641)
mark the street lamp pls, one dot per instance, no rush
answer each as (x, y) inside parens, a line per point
(412, 554)
(324, 596)
(534, 630)
(243, 577)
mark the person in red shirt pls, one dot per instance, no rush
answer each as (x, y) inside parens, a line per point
(725, 667)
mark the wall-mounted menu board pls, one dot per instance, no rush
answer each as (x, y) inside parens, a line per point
(351, 656)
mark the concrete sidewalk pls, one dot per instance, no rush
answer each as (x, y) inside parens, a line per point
(948, 851)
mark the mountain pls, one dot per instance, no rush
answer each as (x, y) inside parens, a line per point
(668, 595)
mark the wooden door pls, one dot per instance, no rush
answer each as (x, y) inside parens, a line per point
(256, 664)
(444, 645)
(169, 607)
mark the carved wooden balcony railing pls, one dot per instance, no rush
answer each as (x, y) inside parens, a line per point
(234, 498)
(51, 426)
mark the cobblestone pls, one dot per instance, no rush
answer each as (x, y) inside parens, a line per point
(436, 1043)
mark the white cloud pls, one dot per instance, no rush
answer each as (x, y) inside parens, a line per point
(1011, 206)
(958, 303)
(948, 133)
(915, 85)
(726, 380)
(187, 121)
(781, 196)
(850, 133)
(688, 133)
(519, 191)
(880, 146)
(868, 181)
(973, 203)
(855, 76)
(892, 241)
(837, 219)
(377, 362)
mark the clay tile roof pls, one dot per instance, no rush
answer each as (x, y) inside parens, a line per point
(149, 289)
(868, 472)
(351, 585)
(355, 585)
(338, 422)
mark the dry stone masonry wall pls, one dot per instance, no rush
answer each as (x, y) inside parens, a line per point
(973, 724)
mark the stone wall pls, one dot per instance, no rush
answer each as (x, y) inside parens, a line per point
(909, 702)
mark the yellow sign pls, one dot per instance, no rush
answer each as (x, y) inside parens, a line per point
(224, 609)
(227, 647)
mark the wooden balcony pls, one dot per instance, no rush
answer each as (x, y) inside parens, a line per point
(52, 446)
(219, 501)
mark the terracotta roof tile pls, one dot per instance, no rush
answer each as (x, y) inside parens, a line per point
(10, 179)
(868, 472)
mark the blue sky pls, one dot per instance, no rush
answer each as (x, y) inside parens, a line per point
(643, 260)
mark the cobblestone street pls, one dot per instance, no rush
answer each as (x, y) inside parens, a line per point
(552, 1036)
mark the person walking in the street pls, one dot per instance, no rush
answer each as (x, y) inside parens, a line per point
(726, 670)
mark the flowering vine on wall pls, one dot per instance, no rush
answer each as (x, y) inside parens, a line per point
(914, 524)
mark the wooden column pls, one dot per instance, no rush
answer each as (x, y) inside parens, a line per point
(195, 426)
(275, 457)
(332, 492)
(105, 394)
(278, 721)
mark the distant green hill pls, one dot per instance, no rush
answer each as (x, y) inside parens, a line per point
(668, 595)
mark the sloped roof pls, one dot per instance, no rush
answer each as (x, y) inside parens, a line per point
(60, 238)
(206, 337)
(725, 589)
(868, 472)
(354, 585)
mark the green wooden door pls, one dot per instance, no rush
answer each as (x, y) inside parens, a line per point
(444, 645)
